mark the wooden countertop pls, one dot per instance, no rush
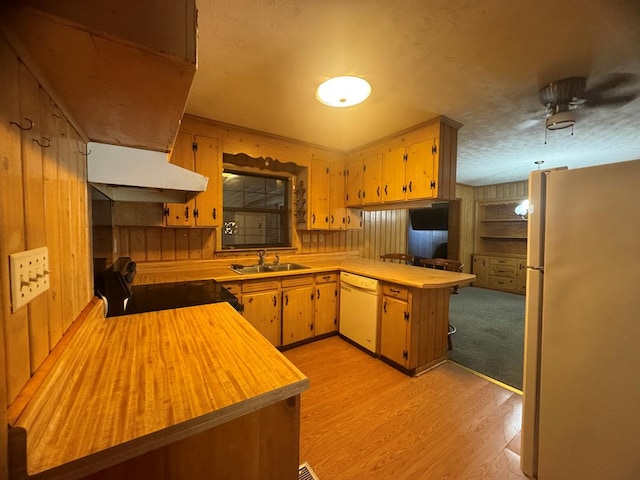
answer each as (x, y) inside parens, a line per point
(409, 275)
(127, 385)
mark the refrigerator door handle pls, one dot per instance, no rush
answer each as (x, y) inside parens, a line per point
(539, 269)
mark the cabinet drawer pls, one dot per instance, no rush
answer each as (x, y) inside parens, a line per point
(502, 270)
(234, 287)
(326, 277)
(395, 291)
(503, 261)
(502, 283)
(260, 285)
(297, 281)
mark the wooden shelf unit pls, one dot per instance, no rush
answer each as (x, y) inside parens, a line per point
(499, 229)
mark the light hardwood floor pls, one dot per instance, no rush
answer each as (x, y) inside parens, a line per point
(362, 418)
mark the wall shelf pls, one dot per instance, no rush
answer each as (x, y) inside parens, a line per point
(498, 229)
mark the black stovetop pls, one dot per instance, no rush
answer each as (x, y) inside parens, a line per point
(163, 296)
(116, 285)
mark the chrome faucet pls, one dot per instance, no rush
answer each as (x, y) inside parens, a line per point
(261, 254)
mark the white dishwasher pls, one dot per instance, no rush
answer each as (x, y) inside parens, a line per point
(359, 309)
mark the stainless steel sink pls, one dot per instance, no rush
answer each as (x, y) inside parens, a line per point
(281, 267)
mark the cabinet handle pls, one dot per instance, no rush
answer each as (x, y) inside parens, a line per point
(286, 300)
(384, 306)
(326, 220)
(313, 218)
(311, 295)
(165, 211)
(335, 292)
(326, 277)
(275, 301)
(378, 190)
(318, 297)
(195, 213)
(364, 194)
(393, 290)
(311, 326)
(359, 193)
(385, 190)
(349, 220)
(186, 213)
(410, 186)
(215, 213)
(332, 219)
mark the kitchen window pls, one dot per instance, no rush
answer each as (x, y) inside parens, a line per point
(256, 210)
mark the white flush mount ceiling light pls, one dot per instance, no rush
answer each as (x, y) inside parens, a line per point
(343, 91)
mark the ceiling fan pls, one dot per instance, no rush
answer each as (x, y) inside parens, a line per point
(562, 98)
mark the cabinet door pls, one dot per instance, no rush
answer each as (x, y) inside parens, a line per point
(208, 203)
(353, 219)
(420, 171)
(319, 195)
(481, 270)
(395, 330)
(262, 310)
(372, 179)
(297, 314)
(393, 175)
(326, 308)
(521, 277)
(337, 186)
(182, 155)
(354, 182)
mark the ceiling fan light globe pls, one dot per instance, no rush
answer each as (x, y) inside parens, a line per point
(561, 120)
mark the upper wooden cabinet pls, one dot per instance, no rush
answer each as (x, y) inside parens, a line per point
(414, 165)
(320, 198)
(199, 154)
(119, 70)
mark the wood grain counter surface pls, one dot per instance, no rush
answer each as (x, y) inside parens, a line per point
(127, 385)
(408, 275)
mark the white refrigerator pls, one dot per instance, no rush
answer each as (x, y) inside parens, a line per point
(581, 404)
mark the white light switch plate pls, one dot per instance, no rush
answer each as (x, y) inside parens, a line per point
(29, 272)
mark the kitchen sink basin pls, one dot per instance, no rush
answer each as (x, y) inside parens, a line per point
(281, 267)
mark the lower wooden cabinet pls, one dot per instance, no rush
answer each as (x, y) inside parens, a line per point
(261, 307)
(414, 326)
(297, 309)
(325, 313)
(396, 330)
(500, 272)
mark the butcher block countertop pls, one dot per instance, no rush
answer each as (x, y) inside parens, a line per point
(408, 275)
(123, 386)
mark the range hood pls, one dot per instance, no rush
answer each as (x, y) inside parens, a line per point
(126, 174)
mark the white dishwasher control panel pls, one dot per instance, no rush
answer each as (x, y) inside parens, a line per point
(359, 281)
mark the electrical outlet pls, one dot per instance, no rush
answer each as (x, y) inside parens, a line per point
(29, 275)
(306, 238)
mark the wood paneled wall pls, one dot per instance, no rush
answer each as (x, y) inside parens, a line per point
(502, 190)
(467, 224)
(162, 243)
(44, 203)
(468, 196)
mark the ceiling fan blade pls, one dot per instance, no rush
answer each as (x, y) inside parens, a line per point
(616, 89)
(617, 101)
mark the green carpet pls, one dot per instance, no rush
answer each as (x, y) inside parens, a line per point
(490, 333)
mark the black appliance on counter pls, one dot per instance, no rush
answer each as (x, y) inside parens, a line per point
(115, 286)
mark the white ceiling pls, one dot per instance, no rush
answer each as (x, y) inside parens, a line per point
(479, 62)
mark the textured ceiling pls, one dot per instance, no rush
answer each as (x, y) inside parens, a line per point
(479, 62)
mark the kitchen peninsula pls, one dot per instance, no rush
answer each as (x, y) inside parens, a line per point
(182, 393)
